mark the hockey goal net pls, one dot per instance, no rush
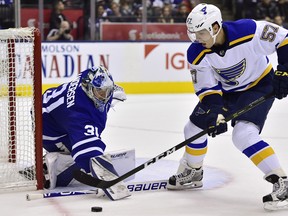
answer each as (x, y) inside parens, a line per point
(20, 108)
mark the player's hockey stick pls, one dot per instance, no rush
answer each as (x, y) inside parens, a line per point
(94, 182)
(157, 185)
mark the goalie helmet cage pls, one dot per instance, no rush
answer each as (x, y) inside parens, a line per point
(20, 109)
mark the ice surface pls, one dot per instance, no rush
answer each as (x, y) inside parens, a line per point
(152, 124)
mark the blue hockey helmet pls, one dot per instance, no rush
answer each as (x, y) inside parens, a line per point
(99, 86)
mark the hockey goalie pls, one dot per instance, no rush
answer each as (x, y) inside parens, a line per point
(74, 116)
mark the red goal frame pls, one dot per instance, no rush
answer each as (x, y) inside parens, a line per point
(37, 97)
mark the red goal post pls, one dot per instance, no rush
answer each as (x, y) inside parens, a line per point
(20, 108)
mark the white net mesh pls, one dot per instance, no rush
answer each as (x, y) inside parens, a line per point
(17, 145)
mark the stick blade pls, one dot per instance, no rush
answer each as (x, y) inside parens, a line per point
(85, 178)
(90, 180)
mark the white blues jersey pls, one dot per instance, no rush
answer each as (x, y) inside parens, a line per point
(241, 62)
(71, 118)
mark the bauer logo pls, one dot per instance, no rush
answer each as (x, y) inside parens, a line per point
(151, 186)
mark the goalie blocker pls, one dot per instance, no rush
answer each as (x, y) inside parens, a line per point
(102, 168)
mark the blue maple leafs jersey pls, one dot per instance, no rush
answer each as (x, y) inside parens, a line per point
(241, 62)
(72, 122)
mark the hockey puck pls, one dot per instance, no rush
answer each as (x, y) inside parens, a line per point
(96, 209)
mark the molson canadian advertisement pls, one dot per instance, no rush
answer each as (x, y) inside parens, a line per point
(138, 67)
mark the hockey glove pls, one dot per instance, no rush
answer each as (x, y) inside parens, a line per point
(118, 95)
(280, 82)
(215, 124)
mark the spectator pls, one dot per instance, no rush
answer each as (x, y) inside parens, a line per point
(246, 9)
(61, 34)
(138, 14)
(126, 10)
(239, 9)
(57, 15)
(267, 10)
(280, 21)
(115, 15)
(166, 16)
(181, 14)
(136, 4)
(101, 16)
(283, 7)
(190, 3)
(156, 10)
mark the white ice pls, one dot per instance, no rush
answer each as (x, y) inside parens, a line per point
(152, 124)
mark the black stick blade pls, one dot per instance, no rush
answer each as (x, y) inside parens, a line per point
(91, 181)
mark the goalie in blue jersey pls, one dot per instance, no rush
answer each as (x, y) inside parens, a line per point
(74, 116)
(230, 69)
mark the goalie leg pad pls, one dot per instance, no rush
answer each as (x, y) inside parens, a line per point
(58, 169)
(102, 168)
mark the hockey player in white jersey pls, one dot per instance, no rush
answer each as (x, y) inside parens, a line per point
(74, 116)
(230, 69)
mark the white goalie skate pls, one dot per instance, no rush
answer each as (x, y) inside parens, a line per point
(278, 199)
(188, 178)
(49, 171)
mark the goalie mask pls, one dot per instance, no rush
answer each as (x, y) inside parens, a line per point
(200, 22)
(99, 86)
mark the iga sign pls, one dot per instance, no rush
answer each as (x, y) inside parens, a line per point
(133, 32)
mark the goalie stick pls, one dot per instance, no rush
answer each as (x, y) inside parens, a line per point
(34, 196)
(94, 182)
(156, 185)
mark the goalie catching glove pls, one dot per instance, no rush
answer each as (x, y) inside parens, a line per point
(118, 95)
(280, 81)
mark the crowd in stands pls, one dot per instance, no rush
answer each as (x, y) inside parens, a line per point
(158, 11)
(163, 11)
(270, 10)
(176, 11)
(166, 11)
